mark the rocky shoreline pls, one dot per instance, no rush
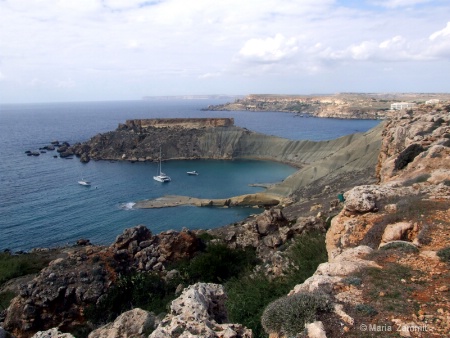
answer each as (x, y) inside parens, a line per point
(385, 242)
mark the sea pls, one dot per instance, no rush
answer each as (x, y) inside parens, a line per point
(42, 205)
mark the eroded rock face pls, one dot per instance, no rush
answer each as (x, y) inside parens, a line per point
(407, 144)
(147, 252)
(57, 296)
(199, 312)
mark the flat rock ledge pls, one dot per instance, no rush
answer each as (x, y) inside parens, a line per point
(249, 200)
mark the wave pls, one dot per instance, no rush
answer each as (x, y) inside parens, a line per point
(128, 206)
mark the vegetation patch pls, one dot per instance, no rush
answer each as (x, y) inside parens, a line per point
(288, 315)
(147, 291)
(17, 265)
(444, 254)
(249, 294)
(389, 288)
(405, 247)
(366, 310)
(217, 264)
(5, 299)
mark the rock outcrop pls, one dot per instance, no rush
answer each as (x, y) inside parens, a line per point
(58, 296)
(200, 312)
(396, 225)
(135, 323)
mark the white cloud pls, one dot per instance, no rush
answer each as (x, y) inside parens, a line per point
(444, 33)
(399, 3)
(268, 50)
(157, 42)
(65, 84)
(209, 75)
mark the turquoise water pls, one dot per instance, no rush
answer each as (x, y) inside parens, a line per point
(42, 205)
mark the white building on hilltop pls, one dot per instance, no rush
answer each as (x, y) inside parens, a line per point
(402, 105)
(432, 101)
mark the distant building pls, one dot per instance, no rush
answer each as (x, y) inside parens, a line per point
(402, 105)
(432, 101)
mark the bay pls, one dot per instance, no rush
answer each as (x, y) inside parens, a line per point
(41, 204)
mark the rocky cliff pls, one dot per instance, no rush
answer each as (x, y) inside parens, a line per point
(386, 270)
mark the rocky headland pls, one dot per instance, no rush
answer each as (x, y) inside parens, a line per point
(343, 105)
(388, 243)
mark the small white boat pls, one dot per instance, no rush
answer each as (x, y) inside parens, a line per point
(85, 183)
(192, 172)
(161, 177)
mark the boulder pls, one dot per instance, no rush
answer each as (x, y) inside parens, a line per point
(135, 323)
(360, 199)
(316, 330)
(199, 312)
(52, 333)
(396, 232)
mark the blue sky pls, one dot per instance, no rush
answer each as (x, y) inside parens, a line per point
(62, 50)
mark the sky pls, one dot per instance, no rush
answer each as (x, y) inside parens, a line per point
(95, 50)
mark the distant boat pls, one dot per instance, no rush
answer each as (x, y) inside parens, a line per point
(192, 172)
(85, 183)
(161, 177)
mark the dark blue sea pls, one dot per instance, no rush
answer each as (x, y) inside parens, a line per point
(42, 205)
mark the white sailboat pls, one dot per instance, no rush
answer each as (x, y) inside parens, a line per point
(84, 182)
(161, 177)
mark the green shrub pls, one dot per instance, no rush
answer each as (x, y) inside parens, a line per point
(305, 254)
(405, 247)
(247, 298)
(444, 254)
(288, 315)
(352, 280)
(248, 295)
(144, 290)
(418, 179)
(366, 310)
(5, 299)
(12, 266)
(217, 264)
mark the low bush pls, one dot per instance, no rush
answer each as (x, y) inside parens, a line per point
(444, 254)
(247, 298)
(147, 291)
(418, 179)
(5, 299)
(366, 310)
(12, 266)
(402, 246)
(217, 264)
(288, 315)
(351, 280)
(249, 294)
